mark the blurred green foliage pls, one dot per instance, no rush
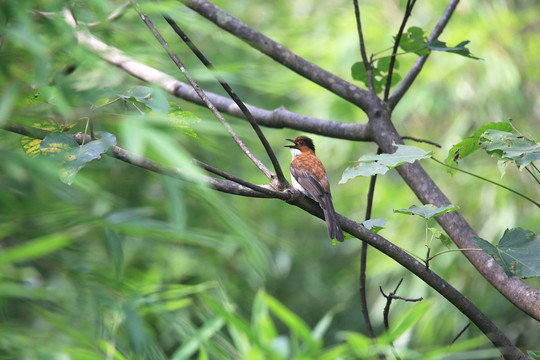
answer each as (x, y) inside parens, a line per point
(127, 264)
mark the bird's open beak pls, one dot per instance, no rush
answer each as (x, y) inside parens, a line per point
(290, 146)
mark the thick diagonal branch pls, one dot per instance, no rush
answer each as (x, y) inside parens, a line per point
(281, 54)
(514, 289)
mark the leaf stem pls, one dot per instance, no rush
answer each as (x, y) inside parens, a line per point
(489, 181)
(532, 174)
(451, 250)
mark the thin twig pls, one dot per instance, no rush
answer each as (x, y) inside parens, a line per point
(389, 299)
(460, 333)
(234, 97)
(116, 14)
(532, 174)
(259, 188)
(421, 140)
(203, 96)
(488, 180)
(419, 63)
(408, 10)
(367, 63)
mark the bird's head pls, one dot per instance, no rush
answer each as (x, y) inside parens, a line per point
(302, 144)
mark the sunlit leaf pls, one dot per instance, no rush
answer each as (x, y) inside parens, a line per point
(34, 248)
(469, 145)
(427, 211)
(204, 333)
(154, 99)
(442, 237)
(358, 72)
(182, 120)
(409, 43)
(459, 49)
(405, 321)
(293, 321)
(323, 324)
(372, 164)
(374, 225)
(517, 252)
(70, 155)
(510, 146)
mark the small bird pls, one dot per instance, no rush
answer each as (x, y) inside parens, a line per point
(309, 177)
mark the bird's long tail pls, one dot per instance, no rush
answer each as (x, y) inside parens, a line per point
(332, 224)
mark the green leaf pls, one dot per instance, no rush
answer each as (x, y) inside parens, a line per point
(322, 326)
(427, 211)
(469, 145)
(442, 237)
(34, 248)
(70, 155)
(154, 99)
(295, 324)
(57, 145)
(261, 322)
(30, 145)
(459, 49)
(101, 102)
(182, 120)
(503, 126)
(379, 72)
(371, 164)
(374, 225)
(404, 322)
(409, 43)
(510, 146)
(517, 252)
(358, 72)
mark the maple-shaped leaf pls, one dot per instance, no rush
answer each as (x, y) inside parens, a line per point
(372, 164)
(518, 252)
(427, 211)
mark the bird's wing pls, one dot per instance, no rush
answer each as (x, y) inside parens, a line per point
(309, 182)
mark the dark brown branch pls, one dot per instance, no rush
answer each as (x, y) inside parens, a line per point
(408, 10)
(419, 63)
(234, 97)
(259, 188)
(205, 98)
(350, 92)
(367, 63)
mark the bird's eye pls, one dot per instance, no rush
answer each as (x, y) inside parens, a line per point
(301, 143)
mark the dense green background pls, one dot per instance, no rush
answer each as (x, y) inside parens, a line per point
(161, 268)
